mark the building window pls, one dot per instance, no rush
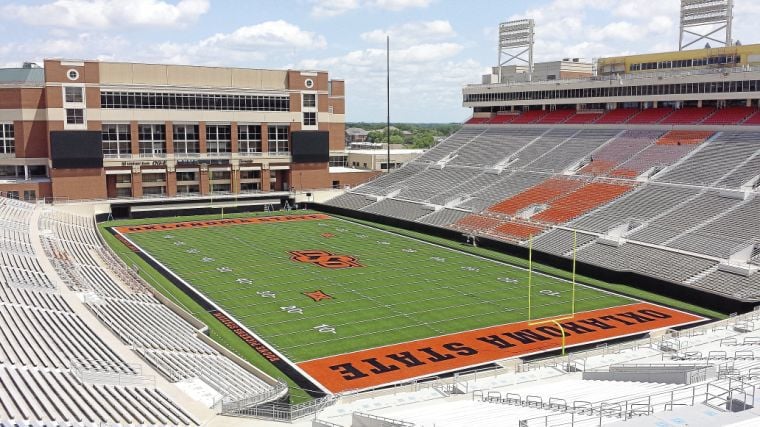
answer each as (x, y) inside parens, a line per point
(72, 74)
(7, 139)
(309, 119)
(309, 100)
(117, 140)
(278, 139)
(74, 116)
(186, 139)
(74, 94)
(218, 138)
(193, 101)
(187, 176)
(249, 139)
(152, 139)
(30, 195)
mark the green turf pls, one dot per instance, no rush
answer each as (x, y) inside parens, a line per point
(405, 290)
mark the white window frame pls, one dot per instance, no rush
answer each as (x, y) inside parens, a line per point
(74, 106)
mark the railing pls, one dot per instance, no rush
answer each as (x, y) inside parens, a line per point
(282, 411)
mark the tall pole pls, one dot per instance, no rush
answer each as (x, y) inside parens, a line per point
(575, 245)
(530, 270)
(388, 100)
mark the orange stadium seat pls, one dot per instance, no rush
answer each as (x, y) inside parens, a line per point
(477, 120)
(541, 193)
(581, 201)
(477, 223)
(753, 120)
(518, 230)
(684, 137)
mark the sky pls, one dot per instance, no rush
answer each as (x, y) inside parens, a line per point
(437, 46)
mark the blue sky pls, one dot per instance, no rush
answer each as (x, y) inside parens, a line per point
(437, 45)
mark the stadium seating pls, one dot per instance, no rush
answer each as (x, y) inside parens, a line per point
(540, 194)
(477, 120)
(729, 116)
(688, 116)
(617, 116)
(650, 116)
(581, 201)
(530, 116)
(556, 117)
(617, 151)
(582, 118)
(753, 119)
(518, 230)
(500, 119)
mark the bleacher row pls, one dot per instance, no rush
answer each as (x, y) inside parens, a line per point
(44, 344)
(48, 353)
(734, 115)
(553, 391)
(151, 329)
(684, 201)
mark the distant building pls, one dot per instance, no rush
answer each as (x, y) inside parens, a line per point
(568, 68)
(356, 135)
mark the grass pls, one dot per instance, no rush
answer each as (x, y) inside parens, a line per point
(405, 290)
(397, 296)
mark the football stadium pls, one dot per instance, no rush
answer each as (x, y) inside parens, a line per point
(179, 249)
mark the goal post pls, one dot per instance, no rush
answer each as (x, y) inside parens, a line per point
(572, 282)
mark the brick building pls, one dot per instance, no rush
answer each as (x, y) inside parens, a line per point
(97, 130)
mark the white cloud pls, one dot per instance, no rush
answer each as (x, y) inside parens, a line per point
(327, 8)
(332, 7)
(267, 34)
(412, 33)
(396, 5)
(103, 14)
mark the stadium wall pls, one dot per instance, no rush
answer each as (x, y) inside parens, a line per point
(666, 288)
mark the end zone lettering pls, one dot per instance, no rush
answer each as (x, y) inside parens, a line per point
(373, 367)
(220, 222)
(251, 341)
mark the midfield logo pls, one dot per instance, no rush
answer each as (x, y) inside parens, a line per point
(325, 259)
(317, 295)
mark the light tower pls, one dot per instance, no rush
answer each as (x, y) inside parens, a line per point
(516, 44)
(706, 20)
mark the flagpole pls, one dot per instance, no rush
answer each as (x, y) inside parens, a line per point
(388, 100)
(575, 245)
(530, 271)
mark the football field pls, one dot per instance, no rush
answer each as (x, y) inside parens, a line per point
(311, 288)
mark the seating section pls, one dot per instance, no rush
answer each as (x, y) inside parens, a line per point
(663, 192)
(711, 116)
(530, 116)
(617, 116)
(157, 333)
(47, 350)
(729, 116)
(618, 151)
(556, 117)
(581, 201)
(688, 116)
(650, 116)
(582, 118)
(41, 394)
(715, 160)
(540, 194)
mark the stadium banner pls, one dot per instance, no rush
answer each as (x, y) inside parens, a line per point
(400, 362)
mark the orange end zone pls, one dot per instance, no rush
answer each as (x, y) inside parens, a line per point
(383, 365)
(219, 223)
